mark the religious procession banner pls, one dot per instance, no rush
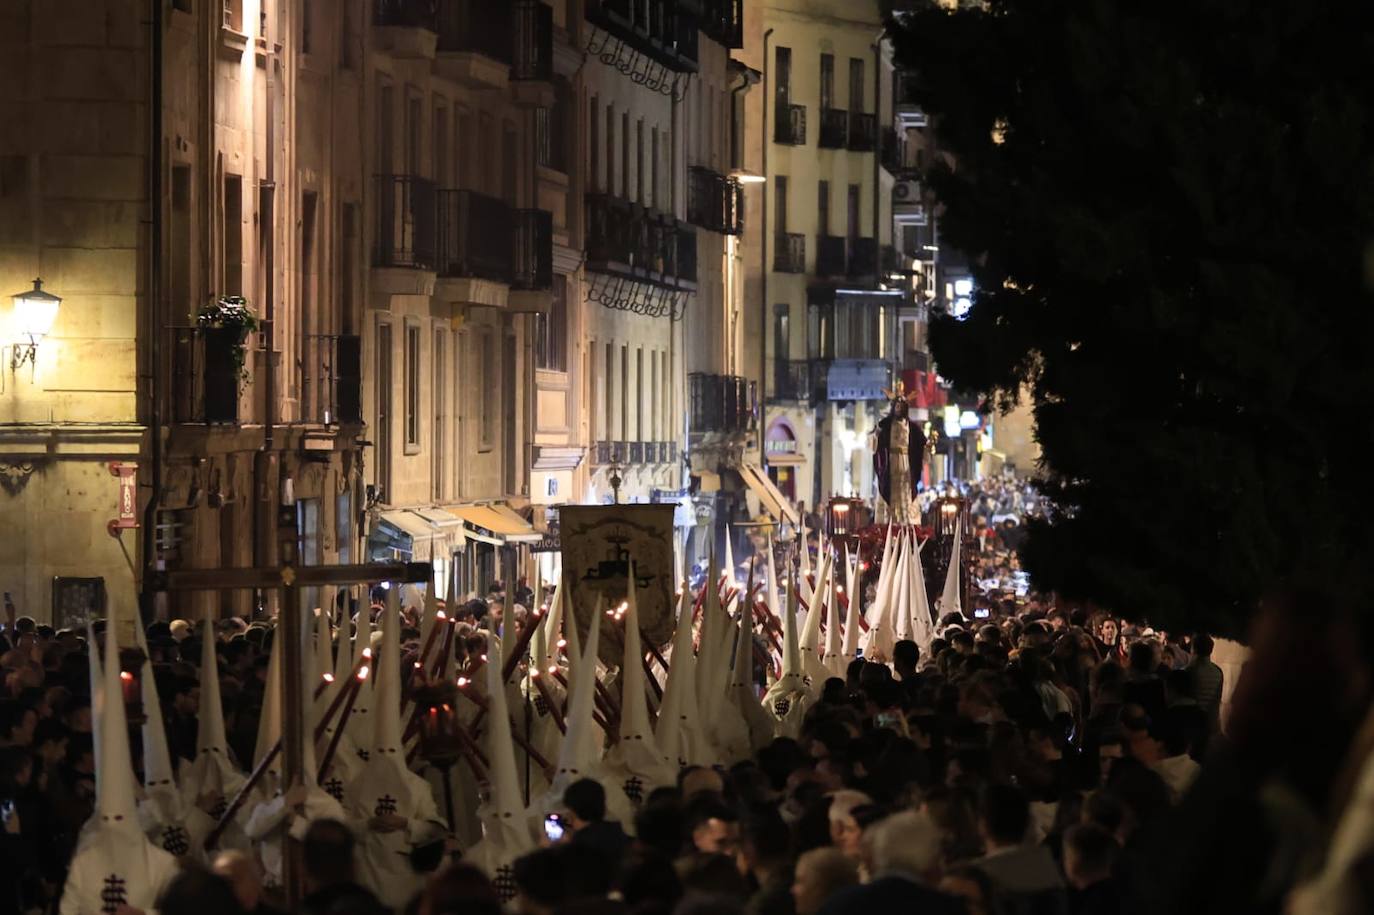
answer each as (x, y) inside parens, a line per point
(598, 543)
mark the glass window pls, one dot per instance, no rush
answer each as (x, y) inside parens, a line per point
(412, 386)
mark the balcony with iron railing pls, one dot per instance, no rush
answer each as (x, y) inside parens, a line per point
(331, 379)
(863, 132)
(533, 250)
(834, 127)
(714, 202)
(532, 41)
(863, 258)
(723, 22)
(405, 28)
(664, 31)
(789, 252)
(890, 151)
(206, 374)
(476, 236)
(789, 125)
(799, 380)
(830, 256)
(720, 404)
(404, 231)
(625, 239)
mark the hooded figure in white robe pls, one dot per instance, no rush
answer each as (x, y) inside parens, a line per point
(950, 598)
(395, 806)
(506, 834)
(167, 820)
(788, 698)
(881, 637)
(210, 781)
(345, 765)
(635, 761)
(274, 813)
(676, 732)
(115, 864)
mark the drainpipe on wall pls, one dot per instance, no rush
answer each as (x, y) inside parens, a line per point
(147, 594)
(763, 254)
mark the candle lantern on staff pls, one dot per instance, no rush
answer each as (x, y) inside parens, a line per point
(844, 518)
(441, 733)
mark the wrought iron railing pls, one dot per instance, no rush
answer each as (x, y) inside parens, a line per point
(476, 235)
(789, 252)
(404, 231)
(331, 379)
(477, 27)
(532, 40)
(830, 255)
(863, 257)
(205, 375)
(863, 131)
(799, 379)
(533, 250)
(720, 403)
(714, 202)
(789, 125)
(419, 14)
(834, 127)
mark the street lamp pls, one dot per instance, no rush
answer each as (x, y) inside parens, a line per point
(34, 314)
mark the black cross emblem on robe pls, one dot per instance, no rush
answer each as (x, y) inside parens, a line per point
(363, 754)
(504, 884)
(386, 805)
(634, 788)
(335, 789)
(176, 841)
(113, 895)
(781, 705)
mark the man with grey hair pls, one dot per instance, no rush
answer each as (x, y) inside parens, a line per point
(904, 853)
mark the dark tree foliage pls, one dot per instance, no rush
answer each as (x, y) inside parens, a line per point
(1172, 247)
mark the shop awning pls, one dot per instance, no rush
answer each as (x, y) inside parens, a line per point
(412, 525)
(499, 522)
(773, 501)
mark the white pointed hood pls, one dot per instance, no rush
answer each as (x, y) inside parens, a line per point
(950, 601)
(159, 781)
(881, 636)
(581, 749)
(636, 752)
(745, 700)
(114, 863)
(386, 698)
(503, 820)
(812, 669)
(730, 559)
(270, 717)
(901, 589)
(853, 628)
(922, 629)
(788, 697)
(211, 772)
(677, 715)
(359, 727)
(97, 681)
(114, 779)
(833, 655)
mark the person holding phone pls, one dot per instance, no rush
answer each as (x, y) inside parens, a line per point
(586, 822)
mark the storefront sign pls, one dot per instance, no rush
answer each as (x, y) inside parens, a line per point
(549, 543)
(664, 496)
(127, 474)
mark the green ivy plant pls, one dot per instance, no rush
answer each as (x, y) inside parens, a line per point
(231, 312)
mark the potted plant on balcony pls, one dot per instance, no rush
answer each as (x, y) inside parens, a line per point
(225, 324)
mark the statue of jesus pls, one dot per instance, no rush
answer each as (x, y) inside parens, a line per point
(897, 460)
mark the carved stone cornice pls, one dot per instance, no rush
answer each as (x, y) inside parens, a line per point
(15, 476)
